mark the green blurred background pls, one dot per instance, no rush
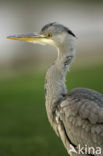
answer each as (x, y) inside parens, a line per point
(24, 127)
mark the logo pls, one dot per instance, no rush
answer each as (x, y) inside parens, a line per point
(85, 149)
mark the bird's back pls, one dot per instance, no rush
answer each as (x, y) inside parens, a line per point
(81, 113)
(85, 93)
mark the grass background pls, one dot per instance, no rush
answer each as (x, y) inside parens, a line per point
(24, 127)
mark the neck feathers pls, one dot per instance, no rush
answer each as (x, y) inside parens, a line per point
(55, 80)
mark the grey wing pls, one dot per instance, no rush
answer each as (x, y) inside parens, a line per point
(82, 115)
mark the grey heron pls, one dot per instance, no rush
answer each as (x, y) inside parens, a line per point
(77, 116)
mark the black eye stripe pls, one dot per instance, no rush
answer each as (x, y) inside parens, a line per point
(56, 27)
(71, 33)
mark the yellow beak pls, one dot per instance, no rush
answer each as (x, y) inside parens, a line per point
(34, 37)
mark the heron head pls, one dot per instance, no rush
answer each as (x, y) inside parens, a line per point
(51, 34)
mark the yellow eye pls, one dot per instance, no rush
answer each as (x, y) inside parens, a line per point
(49, 35)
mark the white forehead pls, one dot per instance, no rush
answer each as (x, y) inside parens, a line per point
(56, 28)
(53, 28)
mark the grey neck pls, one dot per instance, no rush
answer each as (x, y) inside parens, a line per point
(55, 79)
